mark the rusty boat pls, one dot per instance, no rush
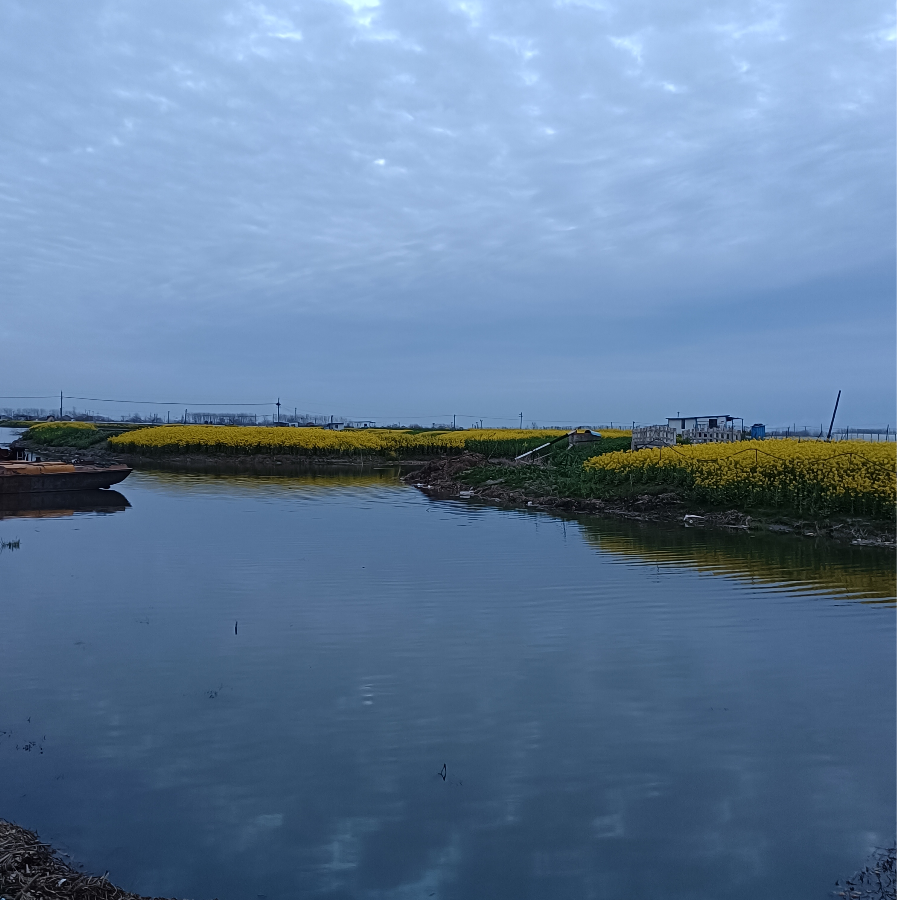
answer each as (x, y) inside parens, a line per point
(22, 476)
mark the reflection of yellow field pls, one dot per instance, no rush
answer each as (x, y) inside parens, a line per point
(36, 513)
(852, 476)
(327, 481)
(227, 440)
(862, 573)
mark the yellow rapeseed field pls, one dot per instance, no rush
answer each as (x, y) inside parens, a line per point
(850, 476)
(55, 426)
(238, 440)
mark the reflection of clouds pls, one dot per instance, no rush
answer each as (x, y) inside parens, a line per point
(441, 869)
(259, 828)
(609, 826)
(342, 850)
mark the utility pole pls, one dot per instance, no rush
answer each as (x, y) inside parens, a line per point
(454, 421)
(60, 404)
(278, 405)
(520, 421)
(833, 415)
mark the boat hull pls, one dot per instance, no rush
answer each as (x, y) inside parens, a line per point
(81, 478)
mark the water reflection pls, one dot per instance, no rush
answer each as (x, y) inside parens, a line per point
(782, 561)
(615, 716)
(8, 435)
(778, 561)
(56, 504)
(261, 467)
(277, 479)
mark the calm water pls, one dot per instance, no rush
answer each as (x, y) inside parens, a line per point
(622, 711)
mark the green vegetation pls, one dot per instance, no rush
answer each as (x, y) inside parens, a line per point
(79, 435)
(561, 474)
(505, 448)
(818, 480)
(65, 434)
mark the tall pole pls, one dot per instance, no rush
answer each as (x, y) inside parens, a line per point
(454, 421)
(520, 421)
(278, 404)
(833, 415)
(60, 404)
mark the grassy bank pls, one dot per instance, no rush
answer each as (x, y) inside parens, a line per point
(214, 440)
(80, 435)
(847, 487)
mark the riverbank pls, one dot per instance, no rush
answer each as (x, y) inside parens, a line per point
(560, 484)
(32, 870)
(473, 477)
(212, 463)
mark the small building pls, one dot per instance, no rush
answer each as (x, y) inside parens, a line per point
(707, 429)
(681, 424)
(757, 431)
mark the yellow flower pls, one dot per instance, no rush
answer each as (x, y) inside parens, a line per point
(856, 476)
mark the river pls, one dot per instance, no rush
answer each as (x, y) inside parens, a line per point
(332, 686)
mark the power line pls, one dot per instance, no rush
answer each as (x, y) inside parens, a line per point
(167, 402)
(143, 402)
(181, 403)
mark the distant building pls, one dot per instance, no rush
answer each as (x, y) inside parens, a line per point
(681, 424)
(223, 418)
(706, 429)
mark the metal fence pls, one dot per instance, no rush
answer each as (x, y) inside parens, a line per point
(848, 433)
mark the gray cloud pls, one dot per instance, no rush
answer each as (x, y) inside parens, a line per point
(186, 187)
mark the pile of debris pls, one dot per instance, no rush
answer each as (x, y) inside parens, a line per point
(439, 476)
(31, 870)
(877, 881)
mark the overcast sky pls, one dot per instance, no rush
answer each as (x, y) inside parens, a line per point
(582, 210)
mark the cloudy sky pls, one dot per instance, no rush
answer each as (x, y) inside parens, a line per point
(584, 210)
